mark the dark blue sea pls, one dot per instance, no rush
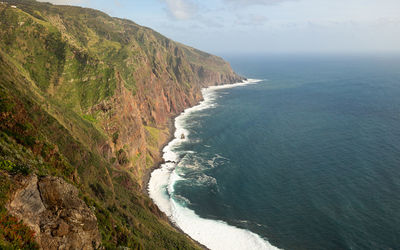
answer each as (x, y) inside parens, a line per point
(307, 158)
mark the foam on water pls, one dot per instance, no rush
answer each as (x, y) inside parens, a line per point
(211, 233)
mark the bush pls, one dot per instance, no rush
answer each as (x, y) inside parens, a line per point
(15, 233)
(13, 168)
(122, 157)
(98, 190)
(115, 137)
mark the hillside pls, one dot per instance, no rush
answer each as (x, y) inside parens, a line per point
(86, 104)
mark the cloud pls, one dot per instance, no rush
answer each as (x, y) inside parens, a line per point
(251, 20)
(181, 9)
(211, 22)
(256, 2)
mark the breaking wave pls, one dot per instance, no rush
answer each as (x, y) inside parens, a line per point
(214, 234)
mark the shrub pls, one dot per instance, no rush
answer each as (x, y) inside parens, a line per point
(115, 137)
(15, 233)
(122, 157)
(13, 168)
(98, 190)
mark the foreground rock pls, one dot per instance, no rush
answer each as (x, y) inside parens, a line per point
(59, 218)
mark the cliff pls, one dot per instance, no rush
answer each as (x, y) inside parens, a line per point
(87, 99)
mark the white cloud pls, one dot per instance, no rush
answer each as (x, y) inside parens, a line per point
(256, 2)
(251, 20)
(181, 9)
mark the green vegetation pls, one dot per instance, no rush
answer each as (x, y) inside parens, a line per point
(153, 136)
(115, 137)
(14, 169)
(90, 118)
(14, 234)
(122, 157)
(32, 137)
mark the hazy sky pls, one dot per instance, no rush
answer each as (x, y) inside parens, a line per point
(266, 26)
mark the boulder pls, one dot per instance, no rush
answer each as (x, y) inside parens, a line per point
(53, 209)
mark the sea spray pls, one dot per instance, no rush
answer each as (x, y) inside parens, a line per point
(211, 233)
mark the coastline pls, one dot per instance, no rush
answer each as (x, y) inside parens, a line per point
(171, 137)
(157, 165)
(208, 233)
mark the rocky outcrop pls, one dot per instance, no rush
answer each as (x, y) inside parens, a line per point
(53, 210)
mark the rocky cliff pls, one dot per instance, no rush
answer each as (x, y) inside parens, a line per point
(52, 209)
(89, 98)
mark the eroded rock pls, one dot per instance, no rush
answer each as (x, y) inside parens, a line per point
(27, 204)
(53, 209)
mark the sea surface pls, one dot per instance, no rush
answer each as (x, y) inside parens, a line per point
(308, 157)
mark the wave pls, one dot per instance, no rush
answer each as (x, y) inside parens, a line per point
(214, 234)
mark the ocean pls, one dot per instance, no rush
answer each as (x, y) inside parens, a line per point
(305, 157)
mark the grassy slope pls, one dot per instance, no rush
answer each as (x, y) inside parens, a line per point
(32, 138)
(56, 63)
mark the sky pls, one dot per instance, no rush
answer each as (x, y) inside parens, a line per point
(266, 26)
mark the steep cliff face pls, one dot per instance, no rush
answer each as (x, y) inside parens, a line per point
(89, 98)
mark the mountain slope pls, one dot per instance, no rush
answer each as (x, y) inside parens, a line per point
(89, 98)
